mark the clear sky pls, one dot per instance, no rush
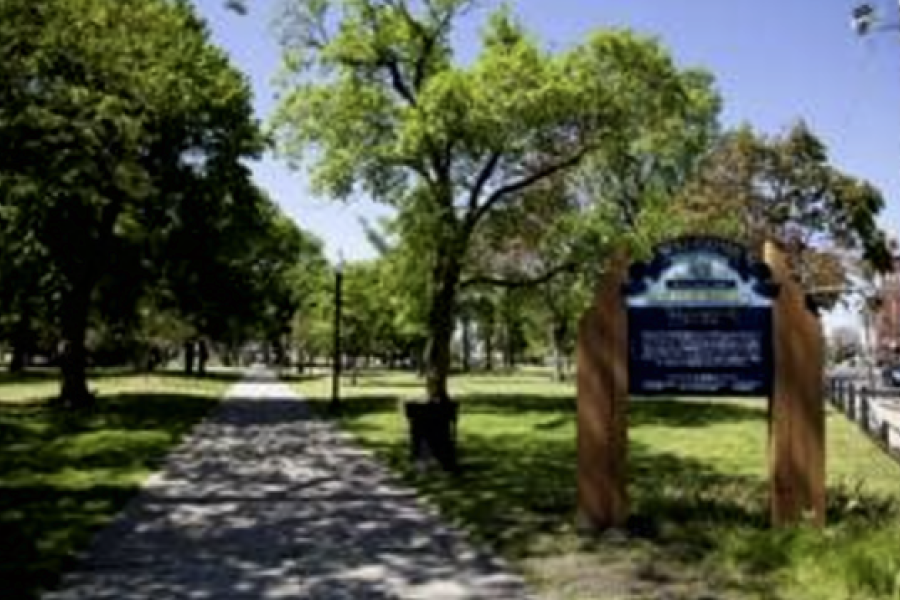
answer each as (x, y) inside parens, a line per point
(774, 61)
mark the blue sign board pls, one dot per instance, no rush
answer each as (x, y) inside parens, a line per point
(700, 321)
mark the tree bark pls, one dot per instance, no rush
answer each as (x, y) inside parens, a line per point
(74, 391)
(301, 360)
(21, 343)
(466, 346)
(202, 357)
(76, 304)
(19, 357)
(441, 319)
(188, 358)
(559, 340)
(509, 334)
(509, 351)
(489, 344)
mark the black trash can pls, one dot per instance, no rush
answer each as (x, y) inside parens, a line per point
(432, 432)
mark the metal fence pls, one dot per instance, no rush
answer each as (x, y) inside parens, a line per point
(876, 411)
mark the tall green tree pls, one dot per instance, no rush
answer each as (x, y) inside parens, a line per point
(755, 187)
(246, 281)
(109, 110)
(376, 104)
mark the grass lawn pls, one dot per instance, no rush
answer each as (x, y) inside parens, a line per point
(698, 488)
(62, 475)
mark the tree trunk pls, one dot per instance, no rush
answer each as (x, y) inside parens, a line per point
(301, 360)
(509, 350)
(509, 358)
(188, 358)
(21, 343)
(19, 357)
(441, 319)
(74, 391)
(559, 361)
(419, 358)
(489, 345)
(202, 357)
(466, 346)
(154, 358)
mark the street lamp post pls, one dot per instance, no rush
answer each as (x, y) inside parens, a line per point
(336, 361)
(865, 19)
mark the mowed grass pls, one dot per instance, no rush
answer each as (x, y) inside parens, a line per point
(698, 487)
(65, 474)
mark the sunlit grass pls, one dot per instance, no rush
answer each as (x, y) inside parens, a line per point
(64, 474)
(698, 483)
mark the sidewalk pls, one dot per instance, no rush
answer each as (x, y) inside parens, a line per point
(889, 412)
(265, 501)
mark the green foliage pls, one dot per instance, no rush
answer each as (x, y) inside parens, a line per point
(64, 476)
(125, 206)
(753, 187)
(698, 485)
(113, 111)
(249, 278)
(374, 103)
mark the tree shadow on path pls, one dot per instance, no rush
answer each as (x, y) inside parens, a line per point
(267, 501)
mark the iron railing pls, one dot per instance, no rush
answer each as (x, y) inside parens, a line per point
(870, 409)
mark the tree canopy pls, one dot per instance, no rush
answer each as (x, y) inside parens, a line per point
(375, 103)
(753, 187)
(123, 135)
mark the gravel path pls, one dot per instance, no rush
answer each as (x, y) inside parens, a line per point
(265, 501)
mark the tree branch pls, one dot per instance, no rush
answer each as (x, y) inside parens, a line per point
(483, 177)
(387, 59)
(519, 283)
(397, 80)
(512, 187)
(428, 39)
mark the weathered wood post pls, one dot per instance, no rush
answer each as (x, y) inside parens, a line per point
(797, 442)
(602, 404)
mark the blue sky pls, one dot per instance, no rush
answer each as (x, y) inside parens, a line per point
(774, 62)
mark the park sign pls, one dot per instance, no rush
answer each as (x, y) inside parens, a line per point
(699, 319)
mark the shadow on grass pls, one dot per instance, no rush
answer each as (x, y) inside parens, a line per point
(517, 490)
(370, 382)
(359, 407)
(294, 377)
(694, 413)
(41, 528)
(63, 474)
(226, 376)
(53, 374)
(35, 374)
(562, 409)
(229, 521)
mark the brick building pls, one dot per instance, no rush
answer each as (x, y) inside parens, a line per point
(886, 320)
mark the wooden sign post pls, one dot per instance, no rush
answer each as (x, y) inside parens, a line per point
(602, 357)
(796, 410)
(701, 318)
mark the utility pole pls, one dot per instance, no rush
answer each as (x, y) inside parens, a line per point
(865, 19)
